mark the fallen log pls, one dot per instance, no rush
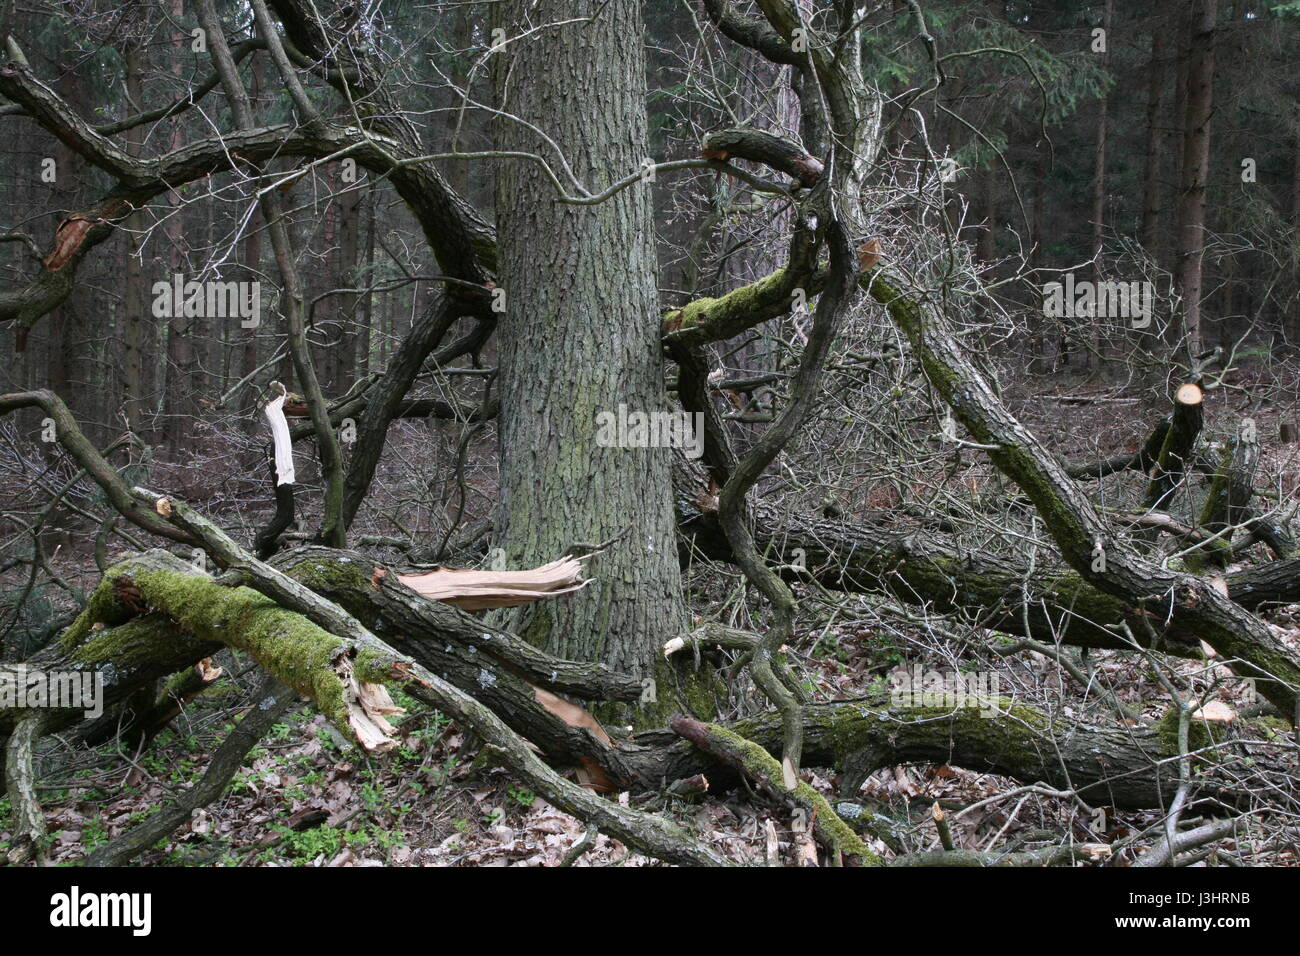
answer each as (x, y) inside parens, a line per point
(1126, 767)
(1191, 605)
(345, 676)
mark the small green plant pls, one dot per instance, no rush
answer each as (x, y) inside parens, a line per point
(522, 796)
(94, 834)
(319, 841)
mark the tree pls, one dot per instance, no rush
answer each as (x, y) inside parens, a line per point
(580, 296)
(1199, 105)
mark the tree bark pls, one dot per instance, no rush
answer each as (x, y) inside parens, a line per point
(1196, 165)
(1156, 138)
(580, 336)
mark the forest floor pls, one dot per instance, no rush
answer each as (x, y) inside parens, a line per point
(307, 797)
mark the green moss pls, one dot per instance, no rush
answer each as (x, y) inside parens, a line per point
(702, 688)
(335, 576)
(1199, 735)
(374, 667)
(136, 644)
(735, 310)
(679, 686)
(760, 765)
(101, 608)
(1273, 728)
(298, 652)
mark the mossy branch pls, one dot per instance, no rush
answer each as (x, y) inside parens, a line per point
(1191, 604)
(762, 768)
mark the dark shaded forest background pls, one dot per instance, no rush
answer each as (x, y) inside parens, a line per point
(1040, 126)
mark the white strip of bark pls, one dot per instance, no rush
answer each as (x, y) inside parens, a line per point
(274, 411)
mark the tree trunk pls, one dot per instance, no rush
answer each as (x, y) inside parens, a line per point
(580, 336)
(134, 301)
(1152, 193)
(1196, 164)
(1099, 189)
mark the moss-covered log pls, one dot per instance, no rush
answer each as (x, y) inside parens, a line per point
(1127, 767)
(330, 670)
(126, 654)
(762, 768)
(342, 675)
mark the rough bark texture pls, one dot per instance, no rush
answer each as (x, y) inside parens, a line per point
(1118, 767)
(578, 338)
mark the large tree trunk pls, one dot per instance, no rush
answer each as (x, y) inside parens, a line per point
(580, 335)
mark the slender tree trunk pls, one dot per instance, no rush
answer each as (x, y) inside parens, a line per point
(253, 260)
(1099, 188)
(1196, 164)
(366, 303)
(1156, 140)
(1294, 330)
(350, 209)
(580, 336)
(134, 300)
(1043, 328)
(176, 387)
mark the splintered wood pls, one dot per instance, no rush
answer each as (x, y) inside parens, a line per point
(369, 706)
(472, 590)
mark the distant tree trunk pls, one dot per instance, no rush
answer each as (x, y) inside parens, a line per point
(253, 269)
(1151, 233)
(328, 277)
(366, 304)
(1295, 173)
(1099, 186)
(580, 336)
(459, 35)
(66, 330)
(1040, 324)
(134, 300)
(253, 424)
(1196, 164)
(986, 248)
(350, 211)
(176, 387)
